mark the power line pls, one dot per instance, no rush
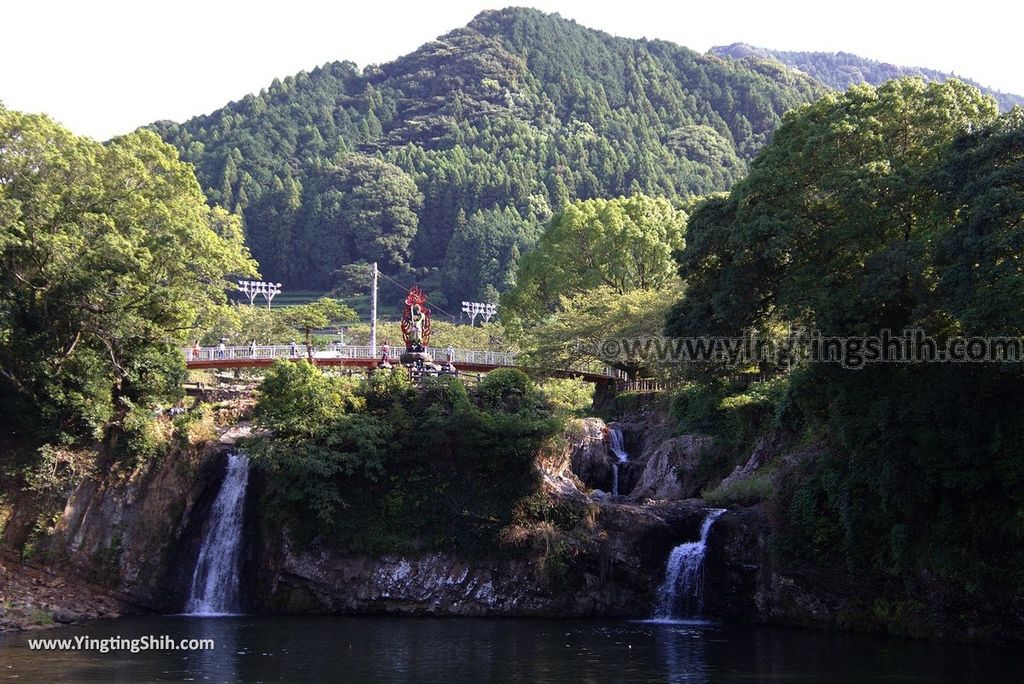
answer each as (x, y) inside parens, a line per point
(406, 289)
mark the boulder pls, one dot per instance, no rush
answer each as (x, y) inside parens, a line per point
(668, 470)
(591, 460)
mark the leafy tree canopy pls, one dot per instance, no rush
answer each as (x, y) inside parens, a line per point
(893, 207)
(109, 255)
(622, 244)
(830, 228)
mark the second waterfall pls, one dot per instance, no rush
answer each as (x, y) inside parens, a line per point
(681, 594)
(615, 436)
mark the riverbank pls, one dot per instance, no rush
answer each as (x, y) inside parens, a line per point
(37, 598)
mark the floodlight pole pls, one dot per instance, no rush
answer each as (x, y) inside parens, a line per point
(373, 313)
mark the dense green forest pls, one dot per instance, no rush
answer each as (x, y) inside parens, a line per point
(840, 70)
(891, 208)
(444, 164)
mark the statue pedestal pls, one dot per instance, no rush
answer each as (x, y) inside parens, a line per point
(413, 358)
(420, 364)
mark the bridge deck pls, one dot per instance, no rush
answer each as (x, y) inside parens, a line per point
(467, 361)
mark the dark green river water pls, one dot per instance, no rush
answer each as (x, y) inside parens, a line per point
(371, 649)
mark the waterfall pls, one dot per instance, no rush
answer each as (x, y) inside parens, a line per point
(615, 437)
(683, 586)
(215, 580)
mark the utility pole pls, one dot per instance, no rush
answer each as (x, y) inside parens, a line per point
(373, 314)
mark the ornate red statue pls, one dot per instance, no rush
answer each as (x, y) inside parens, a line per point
(416, 321)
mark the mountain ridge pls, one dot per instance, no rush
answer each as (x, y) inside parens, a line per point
(499, 122)
(840, 70)
(465, 146)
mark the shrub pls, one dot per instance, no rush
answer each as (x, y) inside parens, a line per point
(506, 388)
(296, 397)
(571, 396)
(745, 492)
(395, 468)
(141, 438)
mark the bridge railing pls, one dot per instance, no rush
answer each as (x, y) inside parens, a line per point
(285, 351)
(338, 351)
(245, 353)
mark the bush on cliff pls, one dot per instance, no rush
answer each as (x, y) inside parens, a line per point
(386, 467)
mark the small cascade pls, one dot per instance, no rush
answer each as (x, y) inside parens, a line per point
(615, 439)
(214, 588)
(681, 594)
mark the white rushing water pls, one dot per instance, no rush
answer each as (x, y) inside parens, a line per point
(215, 580)
(681, 594)
(615, 439)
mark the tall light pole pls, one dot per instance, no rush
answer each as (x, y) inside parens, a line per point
(373, 313)
(272, 289)
(474, 309)
(252, 288)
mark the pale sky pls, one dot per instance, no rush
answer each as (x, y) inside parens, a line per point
(105, 67)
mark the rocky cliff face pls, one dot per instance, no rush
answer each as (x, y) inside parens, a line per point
(661, 465)
(616, 575)
(612, 569)
(133, 534)
(140, 535)
(747, 581)
(137, 535)
(129, 543)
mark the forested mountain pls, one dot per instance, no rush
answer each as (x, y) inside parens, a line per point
(840, 70)
(495, 125)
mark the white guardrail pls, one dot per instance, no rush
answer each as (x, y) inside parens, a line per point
(300, 351)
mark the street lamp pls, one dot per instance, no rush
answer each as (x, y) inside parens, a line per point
(251, 288)
(474, 309)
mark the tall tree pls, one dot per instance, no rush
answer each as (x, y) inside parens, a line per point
(829, 228)
(109, 255)
(622, 244)
(484, 252)
(377, 207)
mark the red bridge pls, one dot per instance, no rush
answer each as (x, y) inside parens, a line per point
(466, 361)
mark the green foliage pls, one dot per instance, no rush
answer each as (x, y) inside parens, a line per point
(827, 229)
(570, 396)
(41, 617)
(564, 514)
(622, 245)
(389, 467)
(977, 259)
(488, 336)
(735, 417)
(364, 209)
(140, 438)
(109, 255)
(318, 314)
(518, 113)
(926, 471)
(506, 388)
(299, 399)
(890, 208)
(484, 251)
(714, 410)
(240, 325)
(603, 270)
(745, 492)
